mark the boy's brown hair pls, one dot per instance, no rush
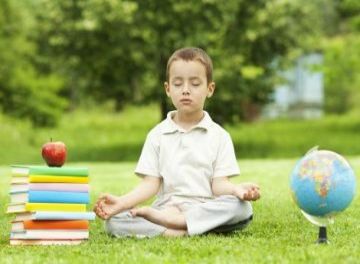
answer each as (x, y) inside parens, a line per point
(191, 54)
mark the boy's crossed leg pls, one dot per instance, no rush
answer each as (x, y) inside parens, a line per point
(170, 217)
(223, 214)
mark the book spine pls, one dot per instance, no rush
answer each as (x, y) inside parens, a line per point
(56, 224)
(58, 197)
(50, 234)
(58, 179)
(44, 242)
(32, 207)
(64, 216)
(61, 187)
(63, 171)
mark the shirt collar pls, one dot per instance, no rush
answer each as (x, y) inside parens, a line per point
(170, 126)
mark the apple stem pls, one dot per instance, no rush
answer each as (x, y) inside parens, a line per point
(50, 139)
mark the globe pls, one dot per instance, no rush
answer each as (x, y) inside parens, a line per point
(322, 184)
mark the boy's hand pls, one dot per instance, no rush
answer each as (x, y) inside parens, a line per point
(107, 205)
(247, 191)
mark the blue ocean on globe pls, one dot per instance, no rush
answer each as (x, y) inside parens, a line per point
(322, 183)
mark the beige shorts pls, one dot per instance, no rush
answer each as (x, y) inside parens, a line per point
(223, 214)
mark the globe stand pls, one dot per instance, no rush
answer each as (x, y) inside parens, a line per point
(322, 236)
(321, 222)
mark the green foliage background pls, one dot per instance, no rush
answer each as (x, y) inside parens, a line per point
(55, 55)
(85, 72)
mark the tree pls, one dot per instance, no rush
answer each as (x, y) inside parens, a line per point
(87, 42)
(24, 91)
(342, 58)
(119, 49)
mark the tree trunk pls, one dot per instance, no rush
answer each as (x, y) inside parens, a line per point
(251, 111)
(164, 106)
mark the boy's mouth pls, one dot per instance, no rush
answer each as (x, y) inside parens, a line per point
(185, 101)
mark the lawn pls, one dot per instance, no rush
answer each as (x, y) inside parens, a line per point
(278, 234)
(99, 134)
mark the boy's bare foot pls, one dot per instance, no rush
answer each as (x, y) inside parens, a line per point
(248, 191)
(142, 211)
(174, 233)
(107, 205)
(170, 217)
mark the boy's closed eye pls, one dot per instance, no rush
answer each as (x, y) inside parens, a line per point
(177, 82)
(195, 81)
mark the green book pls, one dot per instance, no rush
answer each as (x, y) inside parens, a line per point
(27, 170)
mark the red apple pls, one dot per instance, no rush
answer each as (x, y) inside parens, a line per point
(54, 153)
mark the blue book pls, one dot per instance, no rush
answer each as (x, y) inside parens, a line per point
(58, 197)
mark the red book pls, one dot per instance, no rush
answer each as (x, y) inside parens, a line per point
(50, 224)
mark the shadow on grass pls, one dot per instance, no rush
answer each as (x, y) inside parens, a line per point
(249, 149)
(131, 152)
(106, 153)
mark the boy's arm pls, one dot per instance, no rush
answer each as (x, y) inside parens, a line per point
(244, 191)
(147, 188)
(108, 205)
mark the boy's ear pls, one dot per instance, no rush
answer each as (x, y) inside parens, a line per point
(167, 88)
(211, 89)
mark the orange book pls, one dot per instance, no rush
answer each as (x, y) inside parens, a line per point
(56, 224)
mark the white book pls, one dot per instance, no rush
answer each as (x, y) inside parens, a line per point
(54, 215)
(51, 234)
(44, 242)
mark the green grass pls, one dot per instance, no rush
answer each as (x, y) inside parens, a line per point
(292, 138)
(278, 234)
(99, 134)
(90, 135)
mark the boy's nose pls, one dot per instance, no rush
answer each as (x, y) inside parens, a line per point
(186, 89)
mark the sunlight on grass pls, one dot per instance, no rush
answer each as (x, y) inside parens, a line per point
(278, 234)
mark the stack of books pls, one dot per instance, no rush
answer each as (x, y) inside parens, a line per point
(50, 205)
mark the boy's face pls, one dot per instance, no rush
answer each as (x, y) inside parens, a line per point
(187, 86)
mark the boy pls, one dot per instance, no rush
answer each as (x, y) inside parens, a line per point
(186, 160)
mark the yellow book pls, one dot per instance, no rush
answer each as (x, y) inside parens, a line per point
(55, 207)
(33, 207)
(50, 178)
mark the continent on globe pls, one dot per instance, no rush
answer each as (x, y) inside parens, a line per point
(322, 183)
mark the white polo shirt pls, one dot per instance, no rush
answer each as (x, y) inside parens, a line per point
(187, 160)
